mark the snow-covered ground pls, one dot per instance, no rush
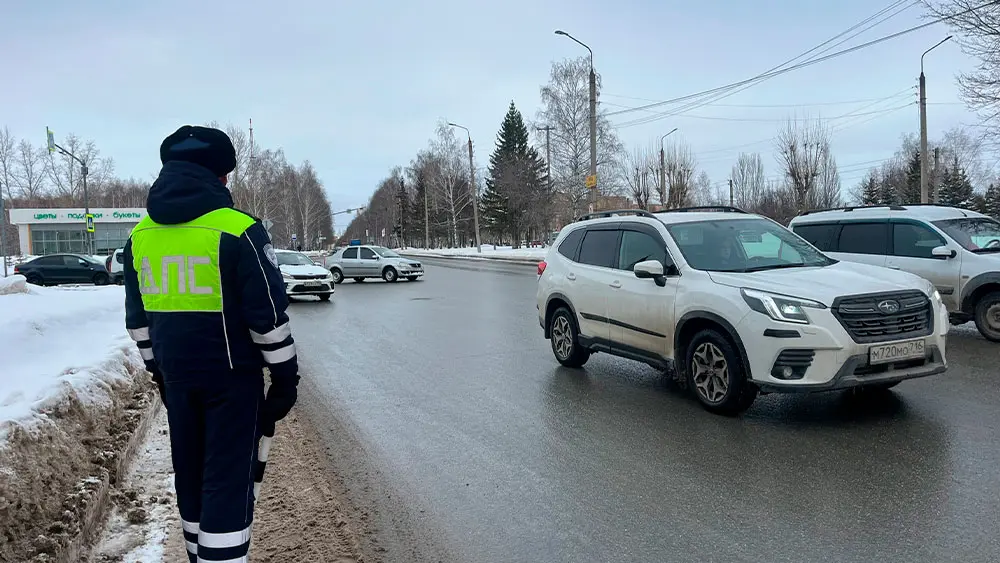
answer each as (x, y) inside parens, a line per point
(58, 340)
(489, 251)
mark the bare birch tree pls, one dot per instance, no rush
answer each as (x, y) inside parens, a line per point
(680, 166)
(977, 28)
(30, 171)
(749, 183)
(451, 177)
(803, 148)
(7, 162)
(566, 108)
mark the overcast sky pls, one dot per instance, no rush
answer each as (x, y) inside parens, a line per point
(357, 87)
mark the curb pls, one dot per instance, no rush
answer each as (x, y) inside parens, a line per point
(525, 261)
(93, 520)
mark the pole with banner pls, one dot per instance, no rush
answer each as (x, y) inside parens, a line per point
(50, 140)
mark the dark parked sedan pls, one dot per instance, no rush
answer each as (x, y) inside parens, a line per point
(55, 269)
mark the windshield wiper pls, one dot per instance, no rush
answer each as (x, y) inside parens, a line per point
(776, 267)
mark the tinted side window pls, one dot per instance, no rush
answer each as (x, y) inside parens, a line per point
(638, 247)
(914, 241)
(600, 248)
(572, 241)
(74, 262)
(351, 253)
(367, 254)
(823, 237)
(864, 238)
(49, 261)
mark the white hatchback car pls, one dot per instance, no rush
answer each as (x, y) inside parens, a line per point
(957, 250)
(303, 276)
(736, 303)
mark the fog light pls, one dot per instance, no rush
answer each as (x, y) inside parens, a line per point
(786, 372)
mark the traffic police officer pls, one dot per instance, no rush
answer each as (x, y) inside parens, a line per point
(205, 303)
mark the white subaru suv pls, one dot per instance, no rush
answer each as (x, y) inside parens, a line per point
(957, 250)
(736, 304)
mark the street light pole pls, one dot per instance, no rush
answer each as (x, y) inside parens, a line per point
(663, 171)
(472, 188)
(593, 119)
(52, 146)
(924, 166)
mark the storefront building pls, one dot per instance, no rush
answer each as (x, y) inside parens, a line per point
(50, 231)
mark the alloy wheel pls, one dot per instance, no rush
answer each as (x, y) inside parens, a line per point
(710, 372)
(562, 337)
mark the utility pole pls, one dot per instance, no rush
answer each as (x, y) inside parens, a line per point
(663, 171)
(88, 238)
(924, 166)
(472, 188)
(3, 232)
(427, 225)
(592, 178)
(731, 192)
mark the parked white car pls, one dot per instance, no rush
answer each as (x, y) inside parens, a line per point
(303, 276)
(115, 264)
(735, 302)
(957, 250)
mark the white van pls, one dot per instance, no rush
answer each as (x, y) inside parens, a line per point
(955, 249)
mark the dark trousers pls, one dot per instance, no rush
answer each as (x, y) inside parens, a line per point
(214, 433)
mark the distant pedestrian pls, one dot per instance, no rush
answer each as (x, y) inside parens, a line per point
(205, 303)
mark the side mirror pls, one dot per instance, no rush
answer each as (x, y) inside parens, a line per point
(943, 252)
(650, 269)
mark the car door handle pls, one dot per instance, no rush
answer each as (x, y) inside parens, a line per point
(894, 267)
(616, 284)
(571, 276)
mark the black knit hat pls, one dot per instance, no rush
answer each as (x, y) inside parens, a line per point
(205, 146)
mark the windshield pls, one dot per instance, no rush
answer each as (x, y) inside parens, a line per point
(385, 252)
(978, 234)
(744, 245)
(293, 259)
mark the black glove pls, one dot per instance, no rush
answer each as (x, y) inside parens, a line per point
(280, 400)
(158, 380)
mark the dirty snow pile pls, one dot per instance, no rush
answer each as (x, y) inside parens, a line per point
(54, 341)
(489, 251)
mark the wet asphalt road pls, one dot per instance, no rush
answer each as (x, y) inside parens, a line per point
(458, 434)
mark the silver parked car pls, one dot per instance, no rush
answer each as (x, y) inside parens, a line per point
(365, 261)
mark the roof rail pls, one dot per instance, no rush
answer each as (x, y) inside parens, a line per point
(852, 208)
(614, 213)
(716, 208)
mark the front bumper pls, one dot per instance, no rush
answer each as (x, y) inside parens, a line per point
(410, 272)
(309, 287)
(827, 358)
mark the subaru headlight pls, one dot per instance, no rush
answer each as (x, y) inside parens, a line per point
(780, 307)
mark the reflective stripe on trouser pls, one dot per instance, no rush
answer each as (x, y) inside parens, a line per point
(214, 447)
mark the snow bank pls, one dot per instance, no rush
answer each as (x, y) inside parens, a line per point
(489, 252)
(56, 341)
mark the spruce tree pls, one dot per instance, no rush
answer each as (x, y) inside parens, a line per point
(870, 193)
(515, 185)
(910, 192)
(991, 205)
(946, 190)
(962, 193)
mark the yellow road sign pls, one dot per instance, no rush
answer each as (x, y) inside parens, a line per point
(591, 181)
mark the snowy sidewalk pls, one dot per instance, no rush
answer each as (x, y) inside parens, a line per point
(73, 393)
(490, 252)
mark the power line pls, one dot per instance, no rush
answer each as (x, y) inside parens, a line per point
(784, 120)
(733, 92)
(777, 106)
(810, 62)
